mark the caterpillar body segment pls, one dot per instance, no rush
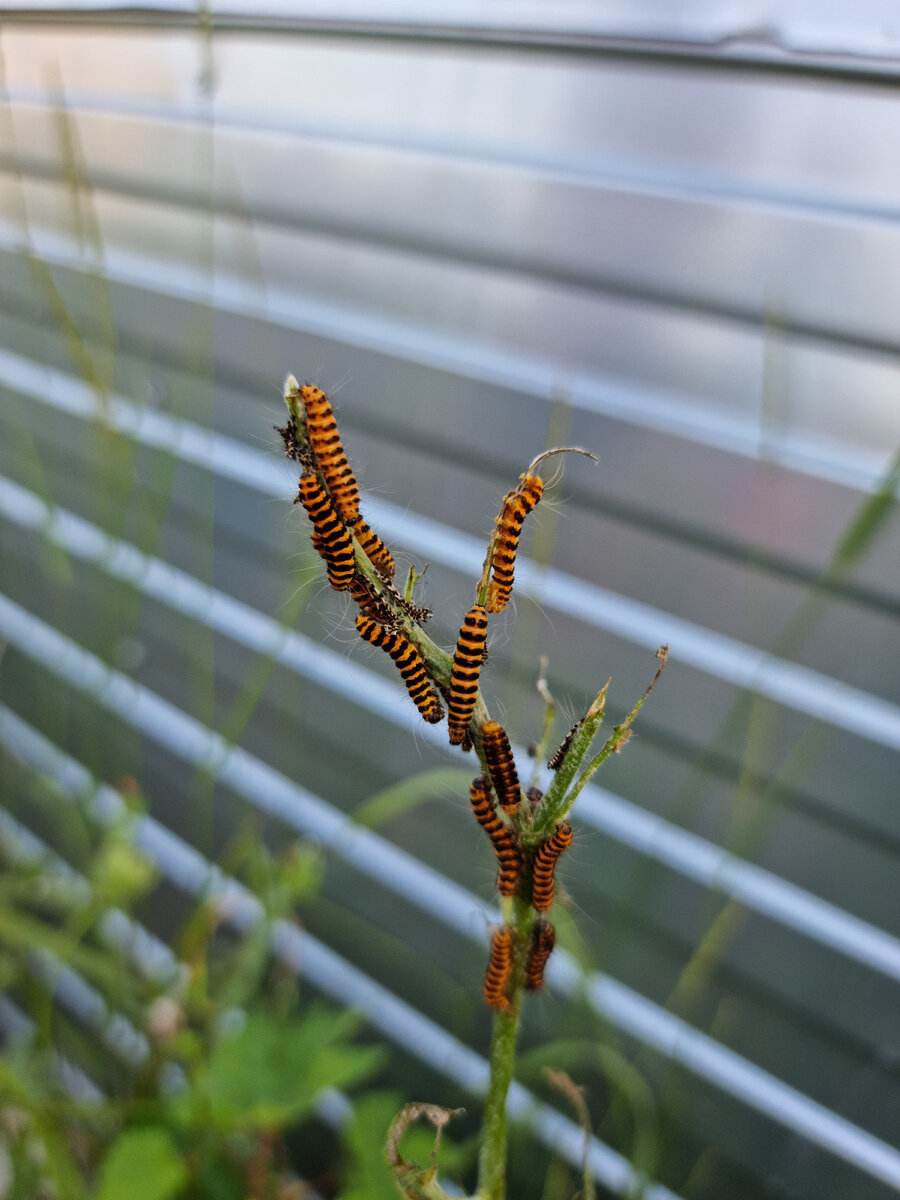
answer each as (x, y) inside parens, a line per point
(515, 510)
(509, 857)
(543, 939)
(376, 551)
(330, 539)
(467, 662)
(496, 978)
(543, 867)
(504, 776)
(409, 662)
(325, 442)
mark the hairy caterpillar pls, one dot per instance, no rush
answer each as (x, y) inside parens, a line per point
(329, 453)
(499, 965)
(330, 539)
(464, 675)
(410, 663)
(544, 866)
(504, 777)
(515, 510)
(509, 857)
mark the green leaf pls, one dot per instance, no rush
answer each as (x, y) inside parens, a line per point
(401, 798)
(270, 1071)
(867, 522)
(121, 874)
(143, 1164)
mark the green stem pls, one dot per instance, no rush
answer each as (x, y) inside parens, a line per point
(492, 1160)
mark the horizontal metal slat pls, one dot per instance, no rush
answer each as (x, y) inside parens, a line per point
(679, 849)
(703, 416)
(723, 255)
(723, 657)
(788, 37)
(309, 957)
(187, 738)
(624, 1007)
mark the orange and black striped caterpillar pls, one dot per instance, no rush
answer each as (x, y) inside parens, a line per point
(395, 643)
(515, 510)
(543, 939)
(376, 551)
(464, 675)
(509, 857)
(499, 757)
(543, 866)
(325, 442)
(499, 966)
(329, 537)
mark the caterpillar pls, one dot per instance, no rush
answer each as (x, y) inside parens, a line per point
(413, 611)
(496, 977)
(376, 551)
(544, 866)
(329, 537)
(543, 939)
(503, 770)
(369, 603)
(289, 436)
(515, 510)
(556, 761)
(329, 453)
(509, 858)
(464, 675)
(395, 643)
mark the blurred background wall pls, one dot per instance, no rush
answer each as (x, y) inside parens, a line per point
(668, 234)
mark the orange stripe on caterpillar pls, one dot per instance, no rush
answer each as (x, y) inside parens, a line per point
(544, 866)
(376, 551)
(330, 539)
(464, 676)
(496, 977)
(543, 939)
(410, 663)
(325, 442)
(509, 857)
(504, 777)
(515, 510)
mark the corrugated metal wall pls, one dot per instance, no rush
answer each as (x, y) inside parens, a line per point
(672, 239)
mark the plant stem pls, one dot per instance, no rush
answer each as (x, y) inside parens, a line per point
(492, 1160)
